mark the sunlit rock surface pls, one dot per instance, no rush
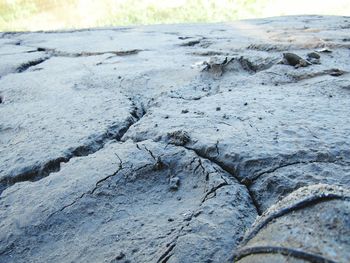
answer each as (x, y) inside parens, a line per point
(165, 143)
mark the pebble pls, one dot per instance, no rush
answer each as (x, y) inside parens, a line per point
(174, 183)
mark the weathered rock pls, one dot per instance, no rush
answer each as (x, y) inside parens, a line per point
(294, 60)
(108, 200)
(163, 143)
(310, 225)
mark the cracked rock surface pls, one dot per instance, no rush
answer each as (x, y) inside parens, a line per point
(165, 143)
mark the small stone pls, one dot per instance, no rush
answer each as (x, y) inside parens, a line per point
(174, 183)
(178, 138)
(159, 165)
(120, 256)
(187, 216)
(225, 117)
(294, 60)
(313, 55)
(246, 103)
(90, 211)
(336, 72)
(218, 108)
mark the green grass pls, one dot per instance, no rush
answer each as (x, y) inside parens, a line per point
(26, 15)
(48, 14)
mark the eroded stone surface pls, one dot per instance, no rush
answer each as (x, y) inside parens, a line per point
(311, 224)
(120, 200)
(163, 143)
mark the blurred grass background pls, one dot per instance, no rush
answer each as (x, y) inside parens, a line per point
(18, 15)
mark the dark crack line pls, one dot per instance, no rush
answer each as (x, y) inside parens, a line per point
(29, 64)
(213, 191)
(150, 153)
(167, 254)
(217, 148)
(231, 172)
(39, 172)
(144, 166)
(199, 165)
(106, 178)
(255, 202)
(191, 43)
(257, 176)
(313, 200)
(57, 53)
(169, 251)
(288, 252)
(97, 185)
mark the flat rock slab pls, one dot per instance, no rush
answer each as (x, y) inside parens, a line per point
(165, 143)
(122, 202)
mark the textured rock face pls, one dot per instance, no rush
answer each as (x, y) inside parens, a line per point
(166, 143)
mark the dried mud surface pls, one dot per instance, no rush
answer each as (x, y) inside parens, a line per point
(166, 143)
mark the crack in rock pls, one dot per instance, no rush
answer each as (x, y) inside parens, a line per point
(230, 171)
(167, 254)
(38, 172)
(57, 53)
(212, 193)
(290, 252)
(323, 197)
(114, 132)
(89, 192)
(30, 64)
(251, 179)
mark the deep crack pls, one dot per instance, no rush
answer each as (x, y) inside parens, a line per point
(230, 171)
(57, 53)
(41, 171)
(29, 64)
(272, 170)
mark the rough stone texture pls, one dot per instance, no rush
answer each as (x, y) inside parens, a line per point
(164, 143)
(311, 225)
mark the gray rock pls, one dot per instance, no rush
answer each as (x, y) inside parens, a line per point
(310, 225)
(174, 183)
(108, 200)
(164, 143)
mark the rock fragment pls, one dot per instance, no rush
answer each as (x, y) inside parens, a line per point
(310, 225)
(294, 60)
(174, 183)
(314, 58)
(178, 138)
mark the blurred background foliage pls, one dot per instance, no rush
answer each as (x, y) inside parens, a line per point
(18, 15)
